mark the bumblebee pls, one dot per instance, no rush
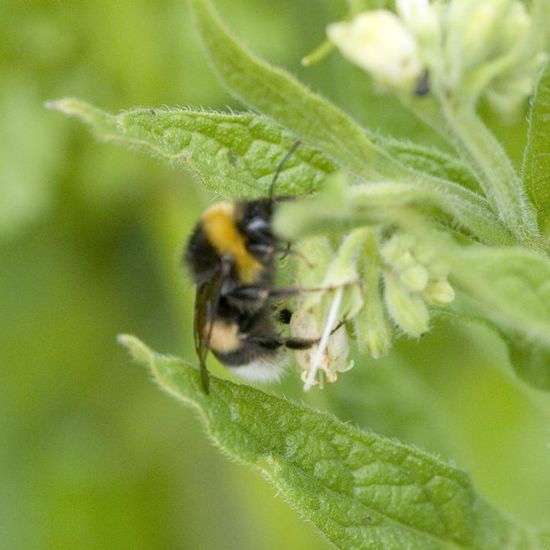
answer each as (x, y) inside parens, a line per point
(231, 256)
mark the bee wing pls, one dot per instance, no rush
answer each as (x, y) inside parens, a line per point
(203, 317)
(206, 306)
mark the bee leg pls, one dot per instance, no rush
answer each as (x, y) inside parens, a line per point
(288, 251)
(261, 251)
(284, 292)
(273, 342)
(289, 291)
(246, 298)
(299, 343)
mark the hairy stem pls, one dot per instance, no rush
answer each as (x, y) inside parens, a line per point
(497, 177)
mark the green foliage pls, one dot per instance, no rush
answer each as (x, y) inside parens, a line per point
(469, 208)
(359, 489)
(511, 288)
(536, 162)
(430, 160)
(343, 206)
(511, 285)
(236, 155)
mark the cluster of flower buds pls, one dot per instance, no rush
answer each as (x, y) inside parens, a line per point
(349, 289)
(459, 48)
(322, 314)
(413, 279)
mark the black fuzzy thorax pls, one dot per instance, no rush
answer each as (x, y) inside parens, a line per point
(255, 318)
(253, 221)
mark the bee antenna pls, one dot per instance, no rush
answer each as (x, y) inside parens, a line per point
(295, 146)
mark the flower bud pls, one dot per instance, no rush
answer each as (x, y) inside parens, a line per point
(491, 48)
(414, 277)
(468, 48)
(408, 310)
(423, 20)
(380, 44)
(372, 328)
(439, 293)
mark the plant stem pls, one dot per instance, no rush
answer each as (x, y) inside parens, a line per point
(497, 177)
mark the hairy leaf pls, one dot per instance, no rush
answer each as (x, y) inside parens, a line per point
(429, 160)
(511, 288)
(511, 284)
(344, 206)
(536, 161)
(359, 489)
(236, 155)
(529, 358)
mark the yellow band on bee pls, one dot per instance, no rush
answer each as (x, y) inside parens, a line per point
(218, 223)
(223, 336)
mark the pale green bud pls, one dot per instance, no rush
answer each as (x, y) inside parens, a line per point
(380, 44)
(407, 310)
(378, 339)
(414, 277)
(439, 293)
(373, 331)
(396, 251)
(398, 254)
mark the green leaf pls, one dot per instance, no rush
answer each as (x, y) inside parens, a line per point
(530, 360)
(511, 284)
(360, 490)
(277, 94)
(340, 206)
(536, 160)
(429, 160)
(511, 288)
(235, 154)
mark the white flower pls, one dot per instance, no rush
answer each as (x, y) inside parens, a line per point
(467, 48)
(491, 48)
(380, 43)
(330, 355)
(423, 20)
(419, 16)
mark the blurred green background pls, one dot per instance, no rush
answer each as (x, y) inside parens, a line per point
(92, 454)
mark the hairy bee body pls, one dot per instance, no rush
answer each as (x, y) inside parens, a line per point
(239, 230)
(231, 258)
